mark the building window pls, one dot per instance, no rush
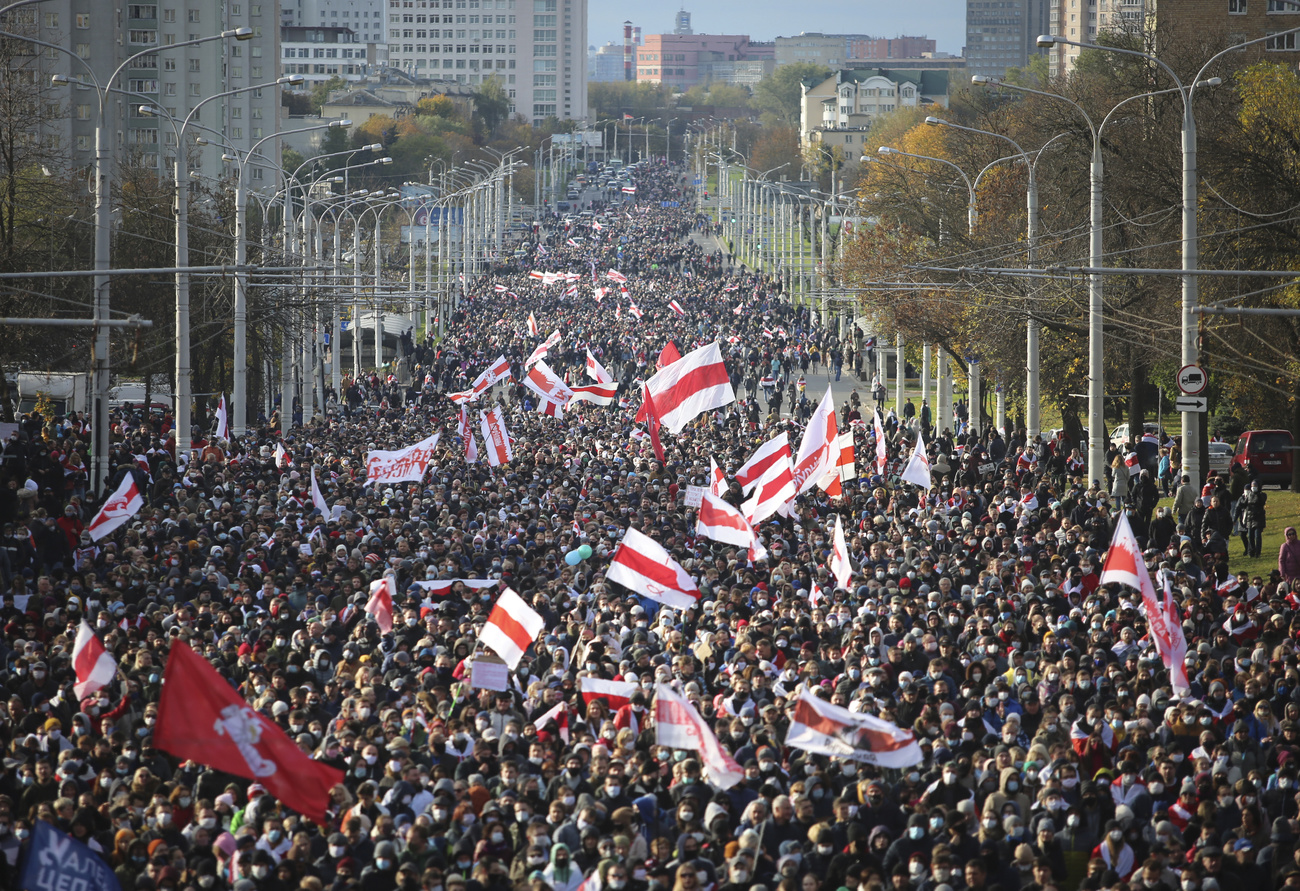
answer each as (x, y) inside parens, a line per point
(1281, 6)
(1280, 43)
(192, 16)
(1236, 7)
(142, 38)
(83, 20)
(83, 51)
(83, 112)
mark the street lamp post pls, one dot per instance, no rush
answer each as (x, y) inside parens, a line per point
(943, 409)
(183, 392)
(1031, 327)
(103, 241)
(1191, 443)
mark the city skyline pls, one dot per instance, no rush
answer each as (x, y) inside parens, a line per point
(942, 20)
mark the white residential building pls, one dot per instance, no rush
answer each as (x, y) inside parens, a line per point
(319, 54)
(102, 36)
(536, 48)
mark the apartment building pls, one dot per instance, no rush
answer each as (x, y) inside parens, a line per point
(536, 48)
(99, 37)
(1002, 34)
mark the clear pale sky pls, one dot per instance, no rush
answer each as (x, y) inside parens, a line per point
(943, 20)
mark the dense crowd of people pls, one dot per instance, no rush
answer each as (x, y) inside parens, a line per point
(1054, 753)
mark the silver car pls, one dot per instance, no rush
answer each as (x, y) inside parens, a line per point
(1220, 458)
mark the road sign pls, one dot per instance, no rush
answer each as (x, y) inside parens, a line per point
(1192, 380)
(1191, 403)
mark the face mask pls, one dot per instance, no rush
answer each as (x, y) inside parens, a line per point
(825, 850)
(916, 832)
(1072, 821)
(1116, 835)
(1070, 782)
(337, 851)
(383, 864)
(261, 872)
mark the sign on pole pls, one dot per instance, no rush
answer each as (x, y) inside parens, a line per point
(1192, 403)
(1192, 380)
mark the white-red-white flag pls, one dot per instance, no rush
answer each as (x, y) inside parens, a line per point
(94, 666)
(1124, 565)
(841, 568)
(223, 419)
(616, 693)
(614, 275)
(543, 381)
(676, 307)
(380, 604)
(717, 479)
(634, 309)
(511, 627)
(543, 348)
(774, 490)
(597, 394)
(720, 521)
(532, 325)
(596, 371)
(695, 383)
(317, 498)
(559, 713)
(773, 450)
(121, 506)
(495, 372)
(492, 423)
(826, 729)
(679, 726)
(281, 456)
(642, 565)
(817, 452)
(467, 436)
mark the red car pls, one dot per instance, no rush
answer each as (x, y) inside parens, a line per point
(1268, 453)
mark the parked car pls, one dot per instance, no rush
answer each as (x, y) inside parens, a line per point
(1220, 457)
(1267, 453)
(1120, 436)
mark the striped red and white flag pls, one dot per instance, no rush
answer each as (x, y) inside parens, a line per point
(768, 453)
(571, 291)
(467, 434)
(597, 394)
(615, 275)
(818, 452)
(543, 381)
(380, 604)
(550, 407)
(841, 568)
(698, 382)
(498, 370)
(720, 521)
(882, 454)
(634, 310)
(500, 289)
(532, 325)
(825, 729)
(676, 307)
(717, 479)
(596, 371)
(496, 437)
(94, 666)
(774, 490)
(616, 693)
(511, 628)
(642, 565)
(678, 725)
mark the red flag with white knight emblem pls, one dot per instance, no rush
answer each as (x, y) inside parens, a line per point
(201, 718)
